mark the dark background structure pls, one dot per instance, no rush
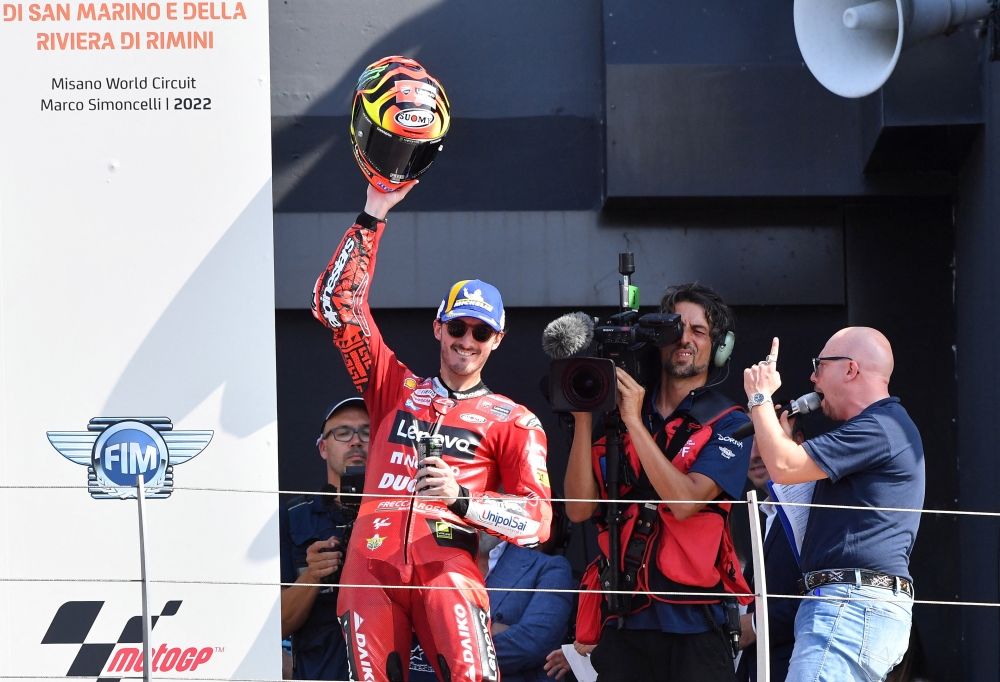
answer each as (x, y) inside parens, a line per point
(692, 134)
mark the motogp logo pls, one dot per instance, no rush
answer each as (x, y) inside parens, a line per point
(117, 450)
(414, 118)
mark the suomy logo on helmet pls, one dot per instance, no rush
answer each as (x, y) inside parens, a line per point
(414, 118)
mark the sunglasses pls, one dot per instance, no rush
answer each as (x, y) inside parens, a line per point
(480, 332)
(345, 434)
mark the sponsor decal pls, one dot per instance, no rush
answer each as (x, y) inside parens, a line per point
(394, 504)
(731, 440)
(326, 298)
(501, 520)
(375, 542)
(425, 392)
(421, 400)
(356, 639)
(687, 447)
(414, 118)
(472, 418)
(116, 450)
(500, 412)
(409, 404)
(727, 453)
(542, 477)
(487, 654)
(473, 299)
(418, 660)
(459, 443)
(416, 92)
(529, 421)
(404, 459)
(381, 523)
(399, 482)
(74, 620)
(465, 637)
(442, 530)
(439, 388)
(538, 461)
(410, 383)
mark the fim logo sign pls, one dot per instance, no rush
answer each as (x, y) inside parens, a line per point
(72, 624)
(116, 450)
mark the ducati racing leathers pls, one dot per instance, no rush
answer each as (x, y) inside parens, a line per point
(420, 544)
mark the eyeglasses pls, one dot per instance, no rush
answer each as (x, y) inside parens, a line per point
(816, 361)
(480, 332)
(345, 434)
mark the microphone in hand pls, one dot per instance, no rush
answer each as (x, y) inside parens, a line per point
(810, 402)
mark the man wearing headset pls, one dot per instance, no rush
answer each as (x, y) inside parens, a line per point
(679, 446)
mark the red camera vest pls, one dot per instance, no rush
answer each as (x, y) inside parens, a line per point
(694, 556)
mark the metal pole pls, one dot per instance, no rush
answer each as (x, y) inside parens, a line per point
(760, 588)
(146, 621)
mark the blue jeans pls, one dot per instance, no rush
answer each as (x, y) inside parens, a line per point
(837, 640)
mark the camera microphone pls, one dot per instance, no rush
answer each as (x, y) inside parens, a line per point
(810, 402)
(567, 335)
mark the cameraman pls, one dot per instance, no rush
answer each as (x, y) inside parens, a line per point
(678, 446)
(310, 529)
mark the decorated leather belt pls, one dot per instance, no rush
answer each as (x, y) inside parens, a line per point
(854, 576)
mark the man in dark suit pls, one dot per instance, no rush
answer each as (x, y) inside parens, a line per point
(526, 625)
(783, 574)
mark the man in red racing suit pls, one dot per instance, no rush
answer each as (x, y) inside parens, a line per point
(419, 532)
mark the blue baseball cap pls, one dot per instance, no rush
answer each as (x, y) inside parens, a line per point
(474, 298)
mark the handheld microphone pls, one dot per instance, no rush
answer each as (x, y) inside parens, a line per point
(567, 335)
(810, 402)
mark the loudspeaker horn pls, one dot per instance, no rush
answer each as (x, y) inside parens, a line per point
(852, 46)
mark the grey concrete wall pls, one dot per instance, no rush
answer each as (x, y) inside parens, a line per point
(569, 258)
(495, 60)
(525, 80)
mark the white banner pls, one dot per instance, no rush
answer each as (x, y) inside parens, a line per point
(136, 338)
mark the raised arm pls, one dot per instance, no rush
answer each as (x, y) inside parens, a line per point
(340, 295)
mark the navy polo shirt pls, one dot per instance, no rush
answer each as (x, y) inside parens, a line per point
(875, 459)
(318, 649)
(726, 461)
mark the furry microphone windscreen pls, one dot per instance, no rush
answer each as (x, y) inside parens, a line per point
(567, 335)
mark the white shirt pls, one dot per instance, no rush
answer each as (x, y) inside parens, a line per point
(770, 511)
(495, 555)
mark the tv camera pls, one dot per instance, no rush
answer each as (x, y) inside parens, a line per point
(352, 484)
(586, 350)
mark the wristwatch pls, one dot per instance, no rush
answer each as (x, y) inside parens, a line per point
(756, 399)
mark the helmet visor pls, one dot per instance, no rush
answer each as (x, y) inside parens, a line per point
(394, 157)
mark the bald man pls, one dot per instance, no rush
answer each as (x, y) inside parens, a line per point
(856, 560)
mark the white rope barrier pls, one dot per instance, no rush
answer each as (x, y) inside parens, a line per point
(410, 496)
(251, 583)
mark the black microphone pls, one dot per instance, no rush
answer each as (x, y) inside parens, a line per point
(810, 402)
(567, 335)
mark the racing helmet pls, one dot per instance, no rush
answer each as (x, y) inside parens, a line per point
(399, 117)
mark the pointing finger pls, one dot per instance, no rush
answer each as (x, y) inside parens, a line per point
(774, 349)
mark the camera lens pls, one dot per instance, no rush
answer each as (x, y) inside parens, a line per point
(585, 387)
